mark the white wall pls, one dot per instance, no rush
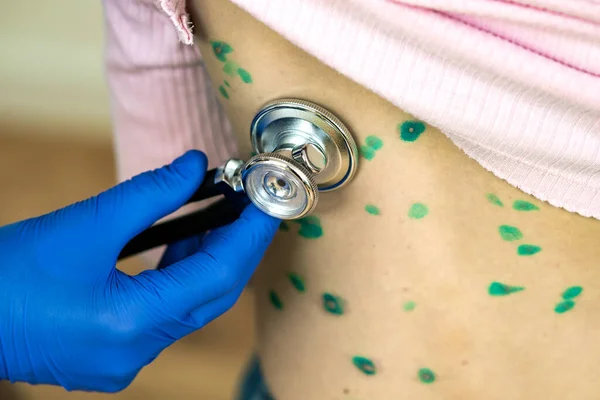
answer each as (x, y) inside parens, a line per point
(51, 70)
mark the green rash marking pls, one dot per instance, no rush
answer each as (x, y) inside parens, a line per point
(510, 233)
(275, 300)
(492, 198)
(572, 292)
(364, 365)
(244, 75)
(297, 281)
(522, 205)
(310, 227)
(564, 306)
(309, 231)
(418, 211)
(371, 209)
(283, 226)
(230, 68)
(374, 142)
(411, 130)
(426, 375)
(502, 289)
(367, 152)
(528, 249)
(221, 49)
(223, 92)
(409, 306)
(226, 83)
(371, 146)
(333, 304)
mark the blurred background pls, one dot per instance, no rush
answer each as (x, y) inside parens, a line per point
(55, 149)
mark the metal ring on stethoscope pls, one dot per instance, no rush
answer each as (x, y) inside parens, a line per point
(291, 125)
(279, 186)
(302, 149)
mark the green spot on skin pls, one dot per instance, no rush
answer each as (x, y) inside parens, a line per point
(426, 375)
(221, 49)
(310, 227)
(409, 306)
(310, 231)
(418, 211)
(275, 300)
(371, 209)
(528, 249)
(230, 68)
(367, 152)
(492, 198)
(572, 292)
(283, 226)
(245, 75)
(502, 289)
(365, 365)
(333, 304)
(226, 83)
(522, 205)
(374, 142)
(411, 130)
(297, 281)
(223, 92)
(564, 306)
(510, 233)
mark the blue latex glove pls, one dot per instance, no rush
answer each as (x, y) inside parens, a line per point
(68, 317)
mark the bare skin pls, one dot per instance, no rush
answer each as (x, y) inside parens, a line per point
(510, 344)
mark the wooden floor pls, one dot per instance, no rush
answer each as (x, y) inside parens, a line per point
(37, 176)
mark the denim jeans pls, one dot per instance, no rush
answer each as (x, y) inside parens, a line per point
(253, 386)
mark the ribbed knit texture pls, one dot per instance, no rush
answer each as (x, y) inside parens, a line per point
(515, 84)
(161, 98)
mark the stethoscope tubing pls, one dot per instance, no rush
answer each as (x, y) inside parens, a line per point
(220, 213)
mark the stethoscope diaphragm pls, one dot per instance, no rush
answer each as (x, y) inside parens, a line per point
(302, 149)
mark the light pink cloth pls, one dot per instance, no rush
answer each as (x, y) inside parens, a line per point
(515, 84)
(161, 100)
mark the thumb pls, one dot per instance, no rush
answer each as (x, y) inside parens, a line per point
(132, 206)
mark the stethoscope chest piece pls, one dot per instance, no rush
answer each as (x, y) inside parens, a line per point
(302, 150)
(309, 134)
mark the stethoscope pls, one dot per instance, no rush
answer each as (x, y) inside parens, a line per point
(301, 150)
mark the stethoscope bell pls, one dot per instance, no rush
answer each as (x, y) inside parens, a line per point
(302, 149)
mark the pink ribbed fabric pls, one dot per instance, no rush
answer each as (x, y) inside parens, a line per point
(515, 84)
(161, 99)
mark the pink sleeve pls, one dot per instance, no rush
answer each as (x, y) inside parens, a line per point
(162, 102)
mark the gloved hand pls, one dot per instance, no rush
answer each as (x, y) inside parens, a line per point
(69, 317)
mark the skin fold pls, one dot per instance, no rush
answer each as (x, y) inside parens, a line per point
(427, 277)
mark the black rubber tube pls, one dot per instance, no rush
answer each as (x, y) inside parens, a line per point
(208, 189)
(216, 215)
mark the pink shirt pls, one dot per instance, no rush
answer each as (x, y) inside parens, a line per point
(515, 84)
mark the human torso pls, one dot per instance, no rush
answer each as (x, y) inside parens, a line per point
(427, 277)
